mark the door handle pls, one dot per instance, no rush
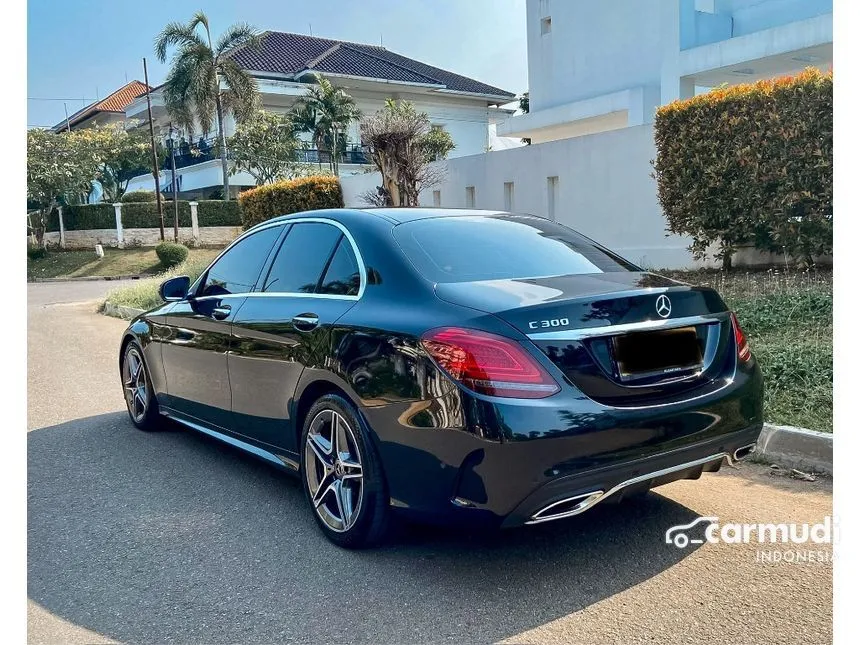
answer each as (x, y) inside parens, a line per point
(220, 313)
(306, 322)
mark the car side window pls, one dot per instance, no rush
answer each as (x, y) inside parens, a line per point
(238, 269)
(302, 258)
(342, 276)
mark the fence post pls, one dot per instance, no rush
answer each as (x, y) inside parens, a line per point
(120, 242)
(62, 227)
(195, 226)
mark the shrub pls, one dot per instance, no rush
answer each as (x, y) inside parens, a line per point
(750, 164)
(289, 196)
(215, 212)
(170, 254)
(138, 196)
(36, 252)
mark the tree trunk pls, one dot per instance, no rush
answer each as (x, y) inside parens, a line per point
(727, 261)
(41, 226)
(222, 139)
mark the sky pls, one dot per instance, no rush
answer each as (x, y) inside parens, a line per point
(81, 50)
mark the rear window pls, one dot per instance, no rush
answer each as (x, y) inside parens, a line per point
(466, 249)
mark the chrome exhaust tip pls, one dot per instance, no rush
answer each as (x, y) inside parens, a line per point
(743, 452)
(567, 507)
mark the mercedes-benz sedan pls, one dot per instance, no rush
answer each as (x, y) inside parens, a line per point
(456, 366)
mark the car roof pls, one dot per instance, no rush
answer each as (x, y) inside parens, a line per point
(392, 215)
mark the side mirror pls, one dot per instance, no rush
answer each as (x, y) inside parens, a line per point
(174, 289)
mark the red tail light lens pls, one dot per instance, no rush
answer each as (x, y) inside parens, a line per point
(488, 364)
(744, 351)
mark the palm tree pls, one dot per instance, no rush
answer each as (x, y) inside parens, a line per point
(330, 110)
(193, 88)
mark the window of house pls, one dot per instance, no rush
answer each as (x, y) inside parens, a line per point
(238, 269)
(302, 258)
(437, 198)
(545, 25)
(470, 197)
(551, 197)
(509, 196)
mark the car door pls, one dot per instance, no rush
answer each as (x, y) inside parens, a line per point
(197, 341)
(315, 277)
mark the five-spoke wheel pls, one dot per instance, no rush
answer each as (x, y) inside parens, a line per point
(341, 474)
(333, 470)
(139, 397)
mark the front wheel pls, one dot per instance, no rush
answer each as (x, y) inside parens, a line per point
(137, 388)
(342, 475)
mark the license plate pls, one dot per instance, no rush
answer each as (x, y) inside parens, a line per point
(655, 353)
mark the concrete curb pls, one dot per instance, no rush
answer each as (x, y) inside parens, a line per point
(798, 448)
(118, 311)
(91, 278)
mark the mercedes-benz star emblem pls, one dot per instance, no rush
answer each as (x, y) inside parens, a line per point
(664, 306)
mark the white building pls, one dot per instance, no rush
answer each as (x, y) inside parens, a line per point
(598, 69)
(284, 66)
(596, 66)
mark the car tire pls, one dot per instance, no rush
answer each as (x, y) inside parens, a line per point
(342, 475)
(140, 401)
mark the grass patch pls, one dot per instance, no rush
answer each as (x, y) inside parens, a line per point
(788, 318)
(116, 262)
(143, 294)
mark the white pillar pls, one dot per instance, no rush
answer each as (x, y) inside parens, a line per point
(195, 227)
(118, 214)
(62, 227)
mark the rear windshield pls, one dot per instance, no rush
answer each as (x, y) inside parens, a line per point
(466, 249)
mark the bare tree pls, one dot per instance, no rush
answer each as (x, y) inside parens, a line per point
(403, 146)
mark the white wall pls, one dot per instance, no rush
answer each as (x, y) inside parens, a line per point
(594, 48)
(605, 190)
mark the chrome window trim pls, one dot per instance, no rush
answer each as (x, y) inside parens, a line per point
(362, 269)
(614, 330)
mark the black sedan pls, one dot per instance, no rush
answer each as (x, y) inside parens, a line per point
(452, 366)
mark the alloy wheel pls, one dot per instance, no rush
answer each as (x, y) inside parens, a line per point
(134, 383)
(333, 470)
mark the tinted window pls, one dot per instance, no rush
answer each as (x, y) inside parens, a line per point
(238, 269)
(302, 258)
(463, 249)
(342, 276)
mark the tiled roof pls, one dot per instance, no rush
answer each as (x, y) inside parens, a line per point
(284, 53)
(115, 102)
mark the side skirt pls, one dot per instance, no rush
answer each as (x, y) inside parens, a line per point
(282, 461)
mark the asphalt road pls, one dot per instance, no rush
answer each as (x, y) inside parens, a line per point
(173, 538)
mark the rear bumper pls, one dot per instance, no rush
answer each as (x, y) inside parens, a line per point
(575, 494)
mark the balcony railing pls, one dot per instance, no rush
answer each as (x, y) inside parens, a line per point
(207, 150)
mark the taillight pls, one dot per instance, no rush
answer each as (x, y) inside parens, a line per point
(744, 351)
(488, 364)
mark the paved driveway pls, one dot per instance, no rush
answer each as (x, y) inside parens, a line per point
(172, 537)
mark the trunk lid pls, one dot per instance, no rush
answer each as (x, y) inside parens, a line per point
(622, 338)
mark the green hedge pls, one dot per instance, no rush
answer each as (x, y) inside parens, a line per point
(289, 196)
(84, 217)
(145, 215)
(216, 212)
(750, 164)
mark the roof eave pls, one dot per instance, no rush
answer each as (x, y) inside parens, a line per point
(499, 99)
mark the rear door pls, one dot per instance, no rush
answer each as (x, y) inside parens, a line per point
(284, 326)
(197, 337)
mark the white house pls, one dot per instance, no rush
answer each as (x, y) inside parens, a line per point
(284, 66)
(596, 66)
